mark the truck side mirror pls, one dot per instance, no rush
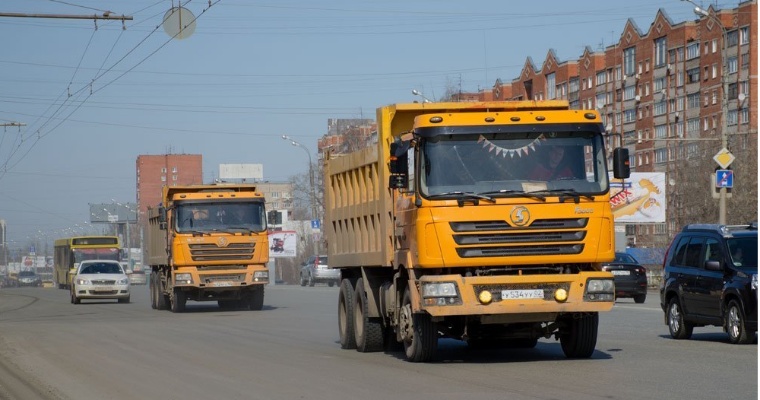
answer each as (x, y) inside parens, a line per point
(162, 218)
(399, 165)
(621, 165)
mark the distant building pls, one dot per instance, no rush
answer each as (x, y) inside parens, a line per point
(153, 172)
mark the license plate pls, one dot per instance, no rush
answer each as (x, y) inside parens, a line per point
(620, 272)
(222, 284)
(522, 294)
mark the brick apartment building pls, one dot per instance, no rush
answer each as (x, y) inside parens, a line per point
(153, 172)
(661, 91)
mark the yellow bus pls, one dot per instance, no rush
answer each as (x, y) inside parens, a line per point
(69, 252)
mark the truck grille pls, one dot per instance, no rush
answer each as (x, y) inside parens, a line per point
(499, 238)
(212, 252)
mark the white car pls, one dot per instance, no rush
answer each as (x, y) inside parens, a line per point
(100, 279)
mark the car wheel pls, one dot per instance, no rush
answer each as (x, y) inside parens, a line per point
(345, 315)
(331, 284)
(311, 280)
(124, 300)
(679, 328)
(735, 324)
(640, 298)
(369, 331)
(74, 298)
(303, 281)
(419, 332)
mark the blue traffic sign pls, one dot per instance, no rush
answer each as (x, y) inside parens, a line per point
(315, 224)
(724, 178)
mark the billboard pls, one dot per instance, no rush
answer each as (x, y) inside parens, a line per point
(282, 244)
(640, 199)
(241, 171)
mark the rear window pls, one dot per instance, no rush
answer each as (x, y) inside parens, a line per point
(625, 258)
(323, 259)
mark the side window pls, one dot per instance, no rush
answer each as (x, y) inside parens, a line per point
(713, 251)
(680, 251)
(694, 252)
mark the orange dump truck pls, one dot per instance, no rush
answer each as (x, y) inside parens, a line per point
(462, 222)
(208, 243)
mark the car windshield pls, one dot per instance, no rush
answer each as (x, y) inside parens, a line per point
(220, 216)
(625, 258)
(513, 164)
(101, 268)
(743, 251)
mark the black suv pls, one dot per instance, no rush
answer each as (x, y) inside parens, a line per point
(710, 278)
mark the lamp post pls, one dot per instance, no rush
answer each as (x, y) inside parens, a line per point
(724, 97)
(312, 195)
(418, 93)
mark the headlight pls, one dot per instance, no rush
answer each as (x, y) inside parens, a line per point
(81, 281)
(754, 281)
(445, 289)
(124, 281)
(183, 279)
(261, 275)
(600, 286)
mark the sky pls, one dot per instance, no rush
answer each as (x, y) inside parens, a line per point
(91, 96)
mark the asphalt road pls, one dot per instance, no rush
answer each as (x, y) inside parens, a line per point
(51, 349)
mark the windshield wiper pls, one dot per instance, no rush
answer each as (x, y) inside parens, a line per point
(570, 193)
(462, 196)
(514, 193)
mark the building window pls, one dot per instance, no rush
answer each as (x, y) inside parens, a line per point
(679, 78)
(732, 65)
(600, 78)
(660, 156)
(715, 97)
(629, 93)
(174, 170)
(732, 38)
(733, 91)
(163, 170)
(660, 131)
(659, 84)
(692, 126)
(744, 35)
(714, 71)
(163, 178)
(715, 46)
(629, 116)
(692, 76)
(174, 177)
(732, 118)
(660, 50)
(550, 86)
(744, 115)
(618, 73)
(659, 108)
(692, 100)
(629, 61)
(679, 103)
(692, 51)
(600, 100)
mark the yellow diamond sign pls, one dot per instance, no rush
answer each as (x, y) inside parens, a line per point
(724, 158)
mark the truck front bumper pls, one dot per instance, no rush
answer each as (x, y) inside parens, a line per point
(516, 295)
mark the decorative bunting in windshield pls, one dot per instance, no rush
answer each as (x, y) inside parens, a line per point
(498, 150)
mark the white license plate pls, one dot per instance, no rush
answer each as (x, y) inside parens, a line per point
(620, 272)
(223, 284)
(522, 294)
(104, 289)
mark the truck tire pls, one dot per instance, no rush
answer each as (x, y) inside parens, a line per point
(345, 315)
(256, 299)
(368, 331)
(162, 302)
(578, 338)
(178, 300)
(153, 295)
(419, 332)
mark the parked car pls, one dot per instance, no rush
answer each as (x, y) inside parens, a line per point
(100, 279)
(710, 278)
(315, 270)
(630, 277)
(29, 278)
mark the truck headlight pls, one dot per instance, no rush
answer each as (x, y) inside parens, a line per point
(260, 276)
(600, 290)
(183, 279)
(442, 289)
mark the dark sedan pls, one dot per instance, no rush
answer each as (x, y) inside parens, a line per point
(630, 277)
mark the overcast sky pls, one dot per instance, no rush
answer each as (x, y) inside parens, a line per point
(93, 96)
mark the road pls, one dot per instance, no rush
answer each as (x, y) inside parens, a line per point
(51, 349)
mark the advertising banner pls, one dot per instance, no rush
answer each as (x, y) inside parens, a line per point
(641, 199)
(282, 244)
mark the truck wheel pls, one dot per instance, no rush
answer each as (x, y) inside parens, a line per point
(161, 300)
(345, 315)
(153, 295)
(256, 299)
(368, 331)
(578, 337)
(735, 324)
(419, 332)
(178, 300)
(679, 328)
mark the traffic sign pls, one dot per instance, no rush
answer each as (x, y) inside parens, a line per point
(315, 224)
(724, 178)
(724, 158)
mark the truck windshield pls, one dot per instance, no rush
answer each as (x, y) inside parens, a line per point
(513, 164)
(220, 216)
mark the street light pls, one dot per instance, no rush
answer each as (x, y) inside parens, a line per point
(418, 93)
(312, 195)
(724, 97)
